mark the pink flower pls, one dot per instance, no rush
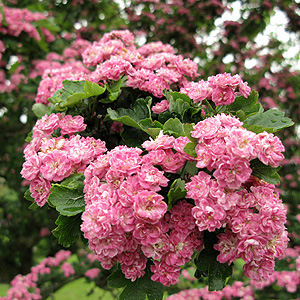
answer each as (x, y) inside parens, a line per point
(227, 246)
(68, 269)
(206, 129)
(161, 142)
(46, 125)
(199, 185)
(92, 273)
(160, 107)
(165, 273)
(125, 160)
(31, 167)
(149, 206)
(173, 162)
(197, 91)
(148, 233)
(56, 166)
(208, 215)
(70, 125)
(40, 190)
(269, 149)
(151, 178)
(232, 172)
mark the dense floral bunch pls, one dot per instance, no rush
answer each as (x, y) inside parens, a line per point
(50, 157)
(13, 23)
(203, 183)
(16, 21)
(126, 217)
(123, 188)
(152, 67)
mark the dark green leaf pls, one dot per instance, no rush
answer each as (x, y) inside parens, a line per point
(67, 230)
(28, 197)
(264, 172)
(177, 191)
(208, 265)
(192, 115)
(67, 197)
(139, 289)
(132, 117)
(33, 206)
(189, 169)
(151, 127)
(218, 275)
(270, 121)
(244, 107)
(179, 103)
(133, 137)
(117, 279)
(74, 92)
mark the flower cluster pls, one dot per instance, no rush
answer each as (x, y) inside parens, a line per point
(26, 287)
(249, 209)
(126, 218)
(221, 89)
(152, 67)
(236, 291)
(52, 158)
(54, 75)
(19, 20)
(226, 147)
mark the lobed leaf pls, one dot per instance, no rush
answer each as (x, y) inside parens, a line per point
(208, 265)
(68, 229)
(174, 127)
(177, 191)
(269, 121)
(264, 172)
(245, 107)
(67, 197)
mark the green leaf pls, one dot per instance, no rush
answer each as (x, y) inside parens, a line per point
(132, 117)
(264, 172)
(68, 230)
(208, 265)
(28, 197)
(218, 275)
(139, 289)
(189, 148)
(67, 197)
(179, 103)
(188, 128)
(75, 91)
(114, 89)
(151, 127)
(33, 206)
(244, 107)
(269, 121)
(177, 191)
(192, 115)
(189, 170)
(174, 127)
(133, 137)
(39, 109)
